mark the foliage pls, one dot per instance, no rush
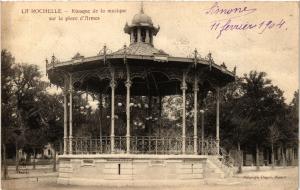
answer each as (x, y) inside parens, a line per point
(25, 105)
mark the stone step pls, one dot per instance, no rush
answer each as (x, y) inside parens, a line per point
(214, 175)
(209, 170)
(191, 176)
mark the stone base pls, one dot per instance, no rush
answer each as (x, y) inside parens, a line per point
(131, 170)
(124, 183)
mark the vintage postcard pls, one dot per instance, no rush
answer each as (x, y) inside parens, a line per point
(149, 94)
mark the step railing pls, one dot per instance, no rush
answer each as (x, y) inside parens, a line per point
(226, 159)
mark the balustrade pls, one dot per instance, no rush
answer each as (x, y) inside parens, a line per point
(155, 145)
(85, 145)
(142, 145)
(207, 147)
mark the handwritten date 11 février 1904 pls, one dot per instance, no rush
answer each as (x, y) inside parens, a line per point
(229, 23)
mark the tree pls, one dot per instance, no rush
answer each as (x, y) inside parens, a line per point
(21, 86)
(51, 113)
(235, 121)
(288, 127)
(293, 117)
(254, 86)
(7, 119)
(273, 138)
(264, 103)
(26, 88)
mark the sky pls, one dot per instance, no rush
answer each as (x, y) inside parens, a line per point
(262, 36)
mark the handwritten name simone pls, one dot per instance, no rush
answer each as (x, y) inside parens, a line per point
(228, 23)
(215, 9)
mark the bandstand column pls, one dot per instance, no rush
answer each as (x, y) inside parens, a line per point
(202, 131)
(65, 121)
(183, 88)
(132, 37)
(218, 120)
(128, 85)
(147, 39)
(71, 117)
(139, 36)
(112, 133)
(196, 89)
(100, 118)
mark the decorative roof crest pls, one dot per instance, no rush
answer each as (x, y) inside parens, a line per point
(234, 70)
(223, 65)
(78, 56)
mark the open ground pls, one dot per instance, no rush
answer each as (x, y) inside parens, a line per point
(279, 178)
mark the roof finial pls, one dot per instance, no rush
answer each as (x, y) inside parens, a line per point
(234, 70)
(142, 7)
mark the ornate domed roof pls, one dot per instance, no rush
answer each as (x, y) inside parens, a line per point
(141, 18)
(141, 22)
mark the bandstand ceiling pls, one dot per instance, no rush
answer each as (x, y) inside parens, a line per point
(148, 77)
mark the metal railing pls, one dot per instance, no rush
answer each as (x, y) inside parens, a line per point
(85, 145)
(142, 145)
(226, 159)
(207, 147)
(225, 162)
(155, 145)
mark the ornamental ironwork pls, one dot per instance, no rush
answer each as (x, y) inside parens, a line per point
(145, 145)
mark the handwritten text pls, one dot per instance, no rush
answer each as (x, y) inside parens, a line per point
(229, 22)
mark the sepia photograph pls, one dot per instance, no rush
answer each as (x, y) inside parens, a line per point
(179, 95)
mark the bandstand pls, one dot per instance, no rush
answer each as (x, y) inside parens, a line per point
(140, 70)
